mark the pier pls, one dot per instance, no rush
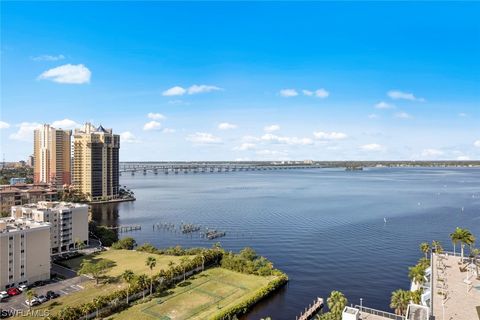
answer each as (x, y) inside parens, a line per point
(126, 228)
(312, 310)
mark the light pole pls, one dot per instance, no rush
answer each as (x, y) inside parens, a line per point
(361, 304)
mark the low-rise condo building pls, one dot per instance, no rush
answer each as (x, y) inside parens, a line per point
(69, 222)
(24, 251)
(21, 194)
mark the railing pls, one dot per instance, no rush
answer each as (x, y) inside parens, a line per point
(384, 314)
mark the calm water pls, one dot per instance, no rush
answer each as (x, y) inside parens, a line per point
(324, 227)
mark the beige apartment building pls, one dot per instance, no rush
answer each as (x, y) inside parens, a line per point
(24, 251)
(68, 222)
(52, 154)
(95, 162)
(25, 193)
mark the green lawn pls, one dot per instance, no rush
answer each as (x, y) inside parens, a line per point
(125, 259)
(199, 297)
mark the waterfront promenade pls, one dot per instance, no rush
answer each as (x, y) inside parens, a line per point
(460, 288)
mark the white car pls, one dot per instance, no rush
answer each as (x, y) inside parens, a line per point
(42, 299)
(3, 295)
(22, 287)
(33, 302)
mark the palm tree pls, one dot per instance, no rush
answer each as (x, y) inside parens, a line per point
(417, 274)
(416, 296)
(30, 293)
(455, 237)
(425, 247)
(151, 262)
(437, 246)
(183, 263)
(400, 300)
(143, 283)
(336, 303)
(466, 238)
(97, 302)
(128, 276)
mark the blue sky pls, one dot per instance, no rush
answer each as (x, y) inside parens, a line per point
(252, 81)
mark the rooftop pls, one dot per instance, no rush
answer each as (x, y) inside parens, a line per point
(52, 205)
(456, 288)
(8, 225)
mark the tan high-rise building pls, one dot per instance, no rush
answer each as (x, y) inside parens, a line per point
(96, 157)
(24, 251)
(52, 154)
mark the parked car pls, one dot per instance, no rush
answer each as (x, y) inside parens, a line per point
(38, 283)
(23, 287)
(52, 295)
(3, 295)
(42, 299)
(13, 291)
(33, 302)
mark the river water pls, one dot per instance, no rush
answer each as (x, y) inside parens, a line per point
(324, 227)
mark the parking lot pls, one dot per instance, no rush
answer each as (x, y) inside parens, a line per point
(62, 287)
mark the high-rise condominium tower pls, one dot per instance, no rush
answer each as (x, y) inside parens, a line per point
(52, 153)
(95, 162)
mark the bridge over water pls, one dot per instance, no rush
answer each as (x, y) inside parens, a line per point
(207, 167)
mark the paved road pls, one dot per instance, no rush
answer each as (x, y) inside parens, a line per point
(65, 272)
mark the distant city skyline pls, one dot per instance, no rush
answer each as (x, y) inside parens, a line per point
(247, 81)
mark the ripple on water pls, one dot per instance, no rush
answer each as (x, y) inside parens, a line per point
(324, 227)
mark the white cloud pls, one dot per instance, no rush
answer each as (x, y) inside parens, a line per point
(463, 158)
(320, 135)
(245, 146)
(321, 93)
(396, 94)
(402, 115)
(47, 57)
(268, 137)
(203, 138)
(168, 130)
(477, 143)
(195, 89)
(431, 152)
(68, 73)
(65, 124)
(128, 137)
(384, 105)
(156, 116)
(203, 88)
(174, 91)
(371, 147)
(4, 125)
(227, 126)
(462, 114)
(286, 93)
(307, 93)
(373, 116)
(271, 128)
(152, 125)
(25, 131)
